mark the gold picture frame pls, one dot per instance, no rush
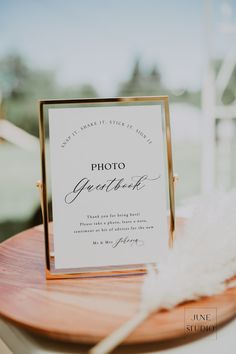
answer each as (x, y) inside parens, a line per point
(51, 272)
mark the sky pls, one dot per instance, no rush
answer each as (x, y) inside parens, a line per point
(97, 41)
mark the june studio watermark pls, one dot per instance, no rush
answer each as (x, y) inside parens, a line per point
(200, 320)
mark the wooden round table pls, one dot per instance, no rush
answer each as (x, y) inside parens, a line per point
(84, 310)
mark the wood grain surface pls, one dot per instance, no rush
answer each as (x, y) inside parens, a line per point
(84, 310)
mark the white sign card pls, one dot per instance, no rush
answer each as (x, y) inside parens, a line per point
(108, 180)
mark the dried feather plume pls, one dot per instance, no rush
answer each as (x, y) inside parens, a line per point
(203, 258)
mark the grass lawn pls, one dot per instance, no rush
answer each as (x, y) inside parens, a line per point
(187, 164)
(19, 197)
(20, 170)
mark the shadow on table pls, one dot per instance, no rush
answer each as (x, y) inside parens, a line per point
(145, 348)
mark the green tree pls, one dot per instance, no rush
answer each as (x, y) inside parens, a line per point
(22, 87)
